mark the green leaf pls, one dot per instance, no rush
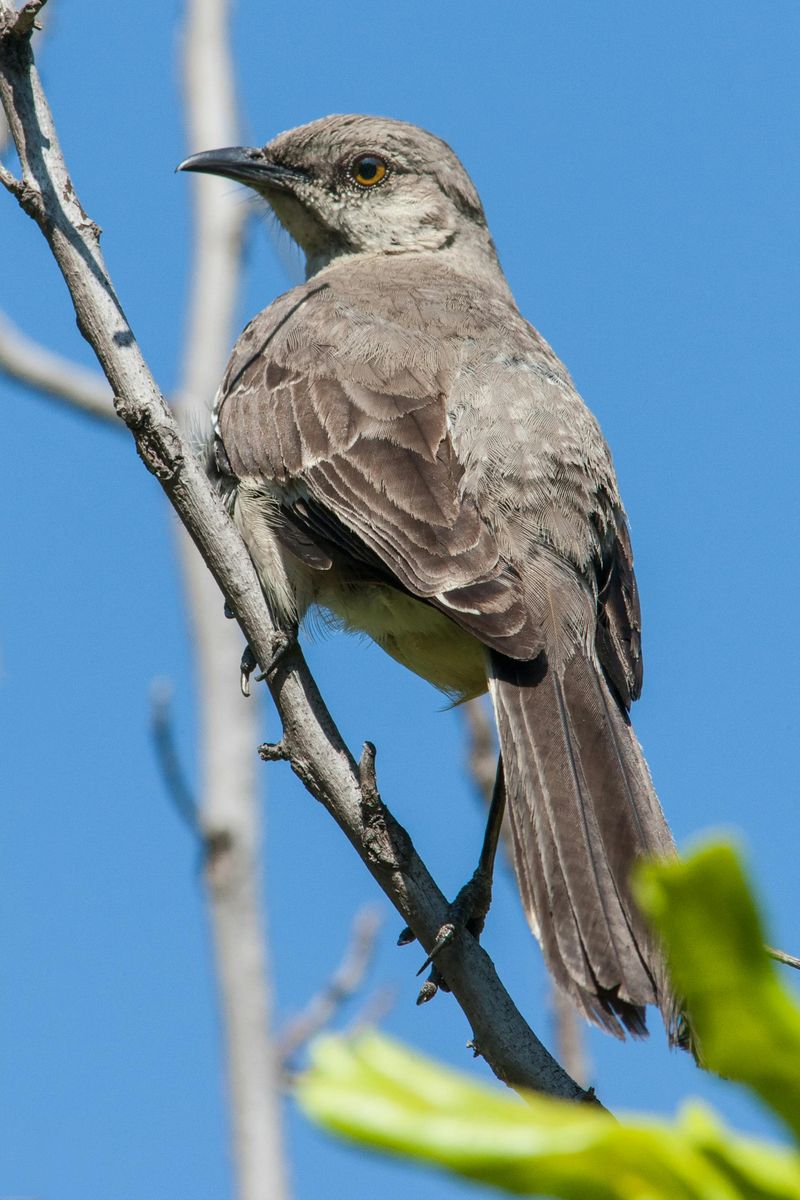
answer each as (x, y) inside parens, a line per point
(746, 1022)
(375, 1092)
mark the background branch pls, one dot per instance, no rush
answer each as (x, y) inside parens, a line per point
(53, 375)
(230, 812)
(343, 984)
(175, 782)
(317, 752)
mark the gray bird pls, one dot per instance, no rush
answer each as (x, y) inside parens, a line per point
(402, 449)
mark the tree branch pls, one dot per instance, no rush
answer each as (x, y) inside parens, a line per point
(482, 750)
(317, 752)
(175, 783)
(342, 985)
(54, 376)
(230, 812)
(21, 23)
(781, 956)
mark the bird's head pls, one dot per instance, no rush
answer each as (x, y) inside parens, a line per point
(356, 184)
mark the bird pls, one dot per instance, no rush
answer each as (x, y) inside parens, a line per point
(403, 451)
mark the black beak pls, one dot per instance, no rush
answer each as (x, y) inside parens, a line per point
(245, 165)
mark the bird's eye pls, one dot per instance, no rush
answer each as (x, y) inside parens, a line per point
(368, 169)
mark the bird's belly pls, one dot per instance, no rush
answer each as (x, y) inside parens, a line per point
(413, 633)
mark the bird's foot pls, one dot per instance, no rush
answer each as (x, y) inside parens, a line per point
(282, 643)
(467, 912)
(248, 664)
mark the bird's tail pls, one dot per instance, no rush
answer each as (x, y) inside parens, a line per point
(582, 809)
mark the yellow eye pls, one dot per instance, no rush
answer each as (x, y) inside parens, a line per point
(368, 169)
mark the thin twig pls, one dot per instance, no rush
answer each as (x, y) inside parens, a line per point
(53, 375)
(22, 23)
(481, 747)
(163, 732)
(788, 960)
(376, 1006)
(343, 984)
(319, 756)
(569, 1040)
(5, 137)
(9, 180)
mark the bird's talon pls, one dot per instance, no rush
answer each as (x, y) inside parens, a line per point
(407, 936)
(246, 668)
(282, 644)
(443, 938)
(427, 992)
(434, 983)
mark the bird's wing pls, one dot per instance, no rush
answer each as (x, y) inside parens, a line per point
(344, 415)
(619, 624)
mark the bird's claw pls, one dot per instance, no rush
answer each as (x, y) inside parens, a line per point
(246, 667)
(467, 912)
(431, 986)
(443, 938)
(281, 644)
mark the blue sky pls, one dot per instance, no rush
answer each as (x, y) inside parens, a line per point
(639, 168)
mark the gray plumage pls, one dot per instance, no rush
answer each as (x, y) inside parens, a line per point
(404, 450)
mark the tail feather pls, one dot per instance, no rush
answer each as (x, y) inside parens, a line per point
(582, 809)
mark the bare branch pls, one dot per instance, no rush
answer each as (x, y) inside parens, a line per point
(230, 812)
(569, 1040)
(21, 24)
(25, 360)
(318, 754)
(175, 783)
(788, 960)
(481, 747)
(212, 120)
(5, 135)
(341, 987)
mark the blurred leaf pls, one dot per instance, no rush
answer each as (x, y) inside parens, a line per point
(746, 1022)
(375, 1092)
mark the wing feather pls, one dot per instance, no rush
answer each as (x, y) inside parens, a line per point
(348, 408)
(375, 456)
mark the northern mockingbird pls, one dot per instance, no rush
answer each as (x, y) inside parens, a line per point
(401, 448)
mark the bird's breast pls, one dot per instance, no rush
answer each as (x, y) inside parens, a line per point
(411, 631)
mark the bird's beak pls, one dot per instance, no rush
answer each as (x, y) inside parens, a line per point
(245, 165)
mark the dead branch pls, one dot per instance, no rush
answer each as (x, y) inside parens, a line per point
(482, 748)
(175, 783)
(788, 960)
(343, 984)
(230, 808)
(53, 375)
